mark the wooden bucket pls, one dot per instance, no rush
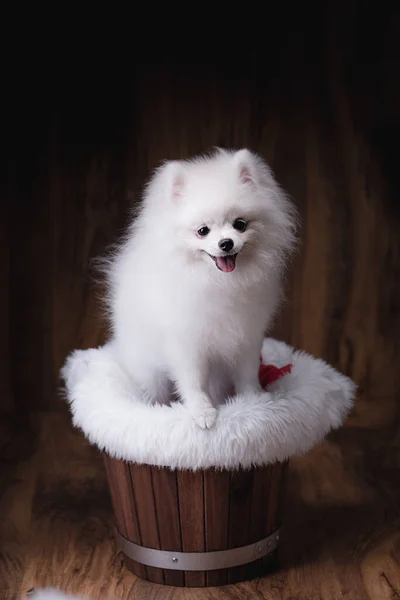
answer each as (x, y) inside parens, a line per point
(203, 512)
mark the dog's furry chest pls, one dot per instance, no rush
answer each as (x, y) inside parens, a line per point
(217, 318)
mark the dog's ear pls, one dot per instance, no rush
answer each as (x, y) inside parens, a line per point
(174, 173)
(245, 164)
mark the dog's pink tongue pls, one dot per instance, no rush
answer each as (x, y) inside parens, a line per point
(226, 263)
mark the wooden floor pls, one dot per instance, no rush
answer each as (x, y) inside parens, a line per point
(341, 534)
(319, 99)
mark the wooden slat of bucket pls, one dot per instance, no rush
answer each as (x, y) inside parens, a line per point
(259, 525)
(275, 495)
(216, 499)
(191, 509)
(276, 498)
(124, 507)
(275, 501)
(260, 512)
(146, 510)
(165, 487)
(240, 503)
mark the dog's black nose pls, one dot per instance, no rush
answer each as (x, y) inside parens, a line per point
(226, 245)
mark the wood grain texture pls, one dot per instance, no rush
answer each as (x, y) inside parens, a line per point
(341, 533)
(194, 512)
(216, 503)
(126, 507)
(165, 486)
(191, 515)
(319, 98)
(323, 132)
(240, 503)
(143, 491)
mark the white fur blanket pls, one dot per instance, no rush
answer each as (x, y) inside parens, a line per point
(294, 414)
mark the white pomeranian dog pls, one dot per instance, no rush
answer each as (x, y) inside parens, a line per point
(197, 279)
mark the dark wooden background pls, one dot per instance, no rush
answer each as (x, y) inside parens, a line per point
(318, 98)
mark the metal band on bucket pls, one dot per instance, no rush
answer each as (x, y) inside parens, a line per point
(197, 561)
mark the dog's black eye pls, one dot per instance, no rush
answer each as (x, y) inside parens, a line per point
(203, 231)
(240, 225)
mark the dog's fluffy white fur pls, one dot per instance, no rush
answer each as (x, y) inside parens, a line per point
(197, 279)
(294, 414)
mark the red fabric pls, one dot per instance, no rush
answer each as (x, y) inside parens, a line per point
(268, 373)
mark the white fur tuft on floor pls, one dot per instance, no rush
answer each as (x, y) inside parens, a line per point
(52, 594)
(294, 414)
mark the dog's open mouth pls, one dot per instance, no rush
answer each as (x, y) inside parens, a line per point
(226, 264)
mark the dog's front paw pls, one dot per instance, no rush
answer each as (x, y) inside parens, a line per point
(204, 416)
